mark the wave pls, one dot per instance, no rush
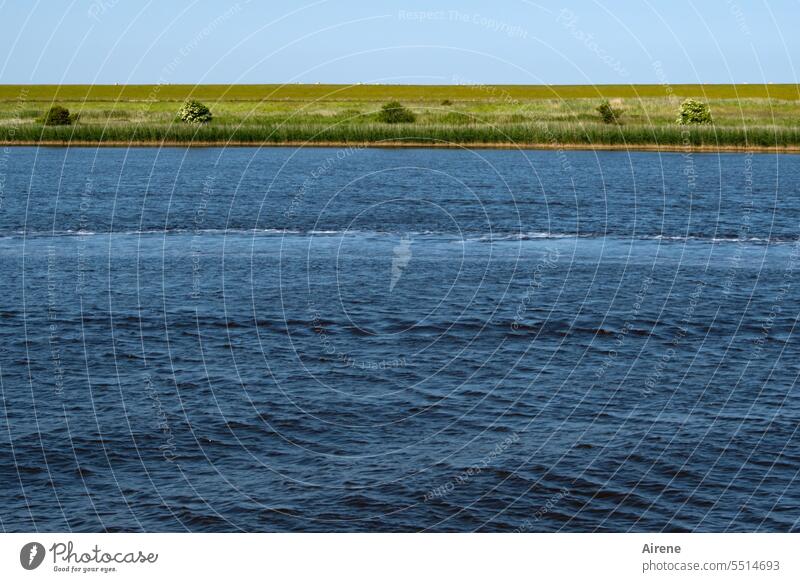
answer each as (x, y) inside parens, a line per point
(526, 236)
(177, 231)
(477, 237)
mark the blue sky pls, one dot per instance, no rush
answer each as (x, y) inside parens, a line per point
(344, 41)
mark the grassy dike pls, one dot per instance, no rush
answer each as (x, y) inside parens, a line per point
(763, 117)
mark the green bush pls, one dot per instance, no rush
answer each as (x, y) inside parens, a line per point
(194, 112)
(608, 113)
(394, 112)
(58, 115)
(693, 112)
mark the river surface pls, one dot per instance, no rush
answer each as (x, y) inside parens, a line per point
(398, 340)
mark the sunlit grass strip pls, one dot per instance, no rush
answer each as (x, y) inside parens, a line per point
(490, 93)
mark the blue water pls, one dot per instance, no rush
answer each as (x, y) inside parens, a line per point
(398, 340)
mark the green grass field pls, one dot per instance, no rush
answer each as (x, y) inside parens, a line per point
(763, 116)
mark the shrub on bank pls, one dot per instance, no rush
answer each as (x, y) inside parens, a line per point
(608, 113)
(693, 112)
(58, 115)
(194, 112)
(394, 112)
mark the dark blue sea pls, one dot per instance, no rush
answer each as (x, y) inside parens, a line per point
(398, 340)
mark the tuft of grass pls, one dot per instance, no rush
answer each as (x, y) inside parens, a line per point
(454, 118)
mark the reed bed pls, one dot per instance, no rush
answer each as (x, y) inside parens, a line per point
(542, 134)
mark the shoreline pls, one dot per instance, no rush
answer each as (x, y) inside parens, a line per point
(410, 144)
